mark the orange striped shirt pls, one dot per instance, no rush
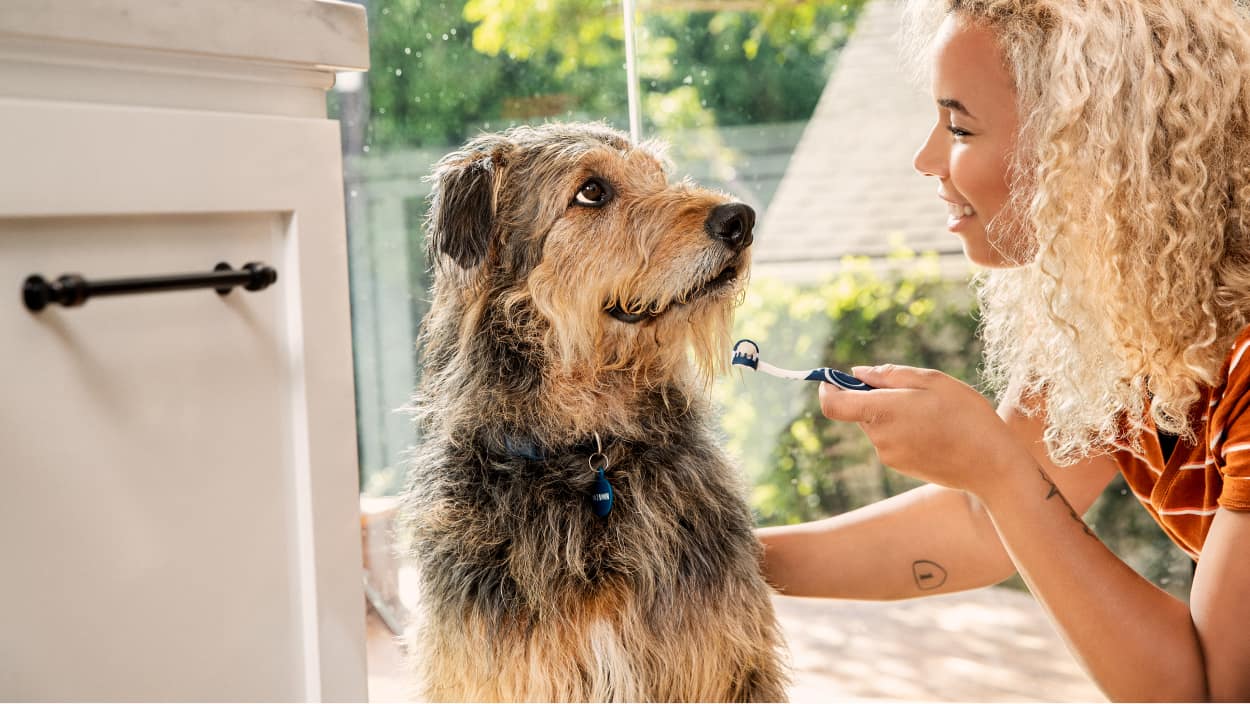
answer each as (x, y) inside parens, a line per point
(1184, 493)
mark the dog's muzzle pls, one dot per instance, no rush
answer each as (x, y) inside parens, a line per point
(731, 224)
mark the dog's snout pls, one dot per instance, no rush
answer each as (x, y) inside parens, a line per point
(732, 224)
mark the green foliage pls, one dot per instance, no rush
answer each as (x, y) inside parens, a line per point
(443, 70)
(584, 34)
(428, 85)
(803, 466)
(768, 65)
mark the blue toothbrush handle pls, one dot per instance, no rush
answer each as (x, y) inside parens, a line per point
(838, 378)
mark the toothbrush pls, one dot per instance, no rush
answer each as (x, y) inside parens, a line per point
(747, 354)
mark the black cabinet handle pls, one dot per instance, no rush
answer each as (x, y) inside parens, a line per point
(73, 290)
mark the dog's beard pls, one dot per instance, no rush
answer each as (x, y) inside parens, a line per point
(712, 282)
(692, 326)
(684, 309)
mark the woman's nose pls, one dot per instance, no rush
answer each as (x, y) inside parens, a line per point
(930, 159)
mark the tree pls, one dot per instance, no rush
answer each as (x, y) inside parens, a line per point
(444, 69)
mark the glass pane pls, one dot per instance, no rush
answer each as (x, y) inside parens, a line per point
(443, 72)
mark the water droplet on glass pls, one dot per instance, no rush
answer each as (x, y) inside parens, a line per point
(445, 37)
(408, 50)
(399, 72)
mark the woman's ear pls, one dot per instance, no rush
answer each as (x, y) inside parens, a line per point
(461, 218)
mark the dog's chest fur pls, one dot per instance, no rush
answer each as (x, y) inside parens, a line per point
(661, 599)
(678, 521)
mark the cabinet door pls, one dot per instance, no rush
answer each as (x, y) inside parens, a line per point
(178, 480)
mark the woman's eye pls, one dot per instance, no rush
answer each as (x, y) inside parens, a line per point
(593, 193)
(958, 132)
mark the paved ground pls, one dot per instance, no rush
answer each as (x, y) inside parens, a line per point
(986, 645)
(981, 646)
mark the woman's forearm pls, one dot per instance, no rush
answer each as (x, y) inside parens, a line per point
(1136, 641)
(930, 540)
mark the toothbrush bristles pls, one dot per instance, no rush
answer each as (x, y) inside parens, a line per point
(747, 353)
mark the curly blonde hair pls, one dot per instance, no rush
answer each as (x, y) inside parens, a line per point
(1134, 181)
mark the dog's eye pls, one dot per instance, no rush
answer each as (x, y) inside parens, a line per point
(593, 193)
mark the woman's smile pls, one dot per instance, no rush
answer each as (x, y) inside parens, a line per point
(958, 214)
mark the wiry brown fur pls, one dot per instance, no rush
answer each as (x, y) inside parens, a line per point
(525, 594)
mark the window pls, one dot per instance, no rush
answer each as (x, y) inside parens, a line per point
(801, 111)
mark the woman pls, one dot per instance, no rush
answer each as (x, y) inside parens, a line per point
(1095, 157)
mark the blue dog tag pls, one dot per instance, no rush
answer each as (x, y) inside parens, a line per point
(601, 496)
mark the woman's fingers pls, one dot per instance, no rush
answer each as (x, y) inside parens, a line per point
(890, 380)
(853, 406)
(895, 376)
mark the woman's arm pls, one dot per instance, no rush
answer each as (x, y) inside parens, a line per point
(1219, 602)
(1137, 641)
(930, 540)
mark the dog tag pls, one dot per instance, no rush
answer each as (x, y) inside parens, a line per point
(601, 496)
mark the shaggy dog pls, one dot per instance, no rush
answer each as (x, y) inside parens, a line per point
(578, 533)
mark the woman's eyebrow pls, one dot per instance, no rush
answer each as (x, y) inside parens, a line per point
(952, 104)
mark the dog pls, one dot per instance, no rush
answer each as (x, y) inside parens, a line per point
(577, 532)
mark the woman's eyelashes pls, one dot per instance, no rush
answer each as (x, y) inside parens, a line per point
(959, 132)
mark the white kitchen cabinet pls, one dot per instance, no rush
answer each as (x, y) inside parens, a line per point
(178, 477)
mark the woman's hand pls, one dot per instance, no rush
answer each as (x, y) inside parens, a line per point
(928, 425)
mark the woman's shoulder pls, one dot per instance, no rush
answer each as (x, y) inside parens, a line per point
(1227, 437)
(1234, 370)
(1228, 403)
(1242, 337)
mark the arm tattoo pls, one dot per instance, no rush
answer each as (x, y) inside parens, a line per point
(1054, 491)
(928, 575)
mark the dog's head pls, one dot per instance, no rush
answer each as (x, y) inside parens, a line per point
(582, 240)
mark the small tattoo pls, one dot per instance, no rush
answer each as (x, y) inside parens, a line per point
(1054, 491)
(928, 575)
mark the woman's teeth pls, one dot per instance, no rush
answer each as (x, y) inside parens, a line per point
(960, 211)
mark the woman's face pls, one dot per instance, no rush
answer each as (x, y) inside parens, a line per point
(971, 146)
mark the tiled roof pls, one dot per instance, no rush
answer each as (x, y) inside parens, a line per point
(850, 187)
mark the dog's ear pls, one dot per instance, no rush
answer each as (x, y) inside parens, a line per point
(462, 204)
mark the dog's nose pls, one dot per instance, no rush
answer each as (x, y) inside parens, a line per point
(731, 223)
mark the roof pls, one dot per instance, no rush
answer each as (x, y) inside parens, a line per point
(850, 188)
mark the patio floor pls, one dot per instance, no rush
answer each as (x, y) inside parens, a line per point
(986, 645)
